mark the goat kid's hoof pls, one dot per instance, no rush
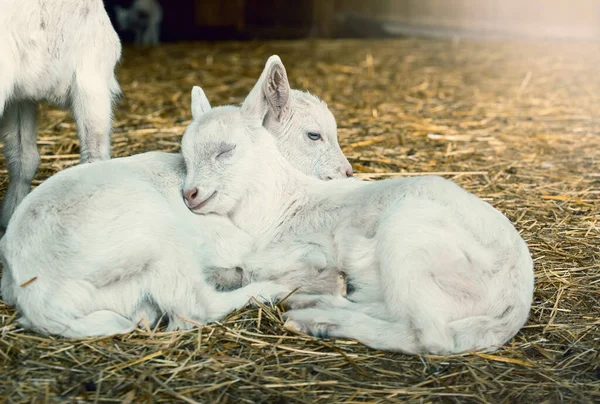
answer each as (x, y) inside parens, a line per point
(294, 326)
(180, 324)
(310, 327)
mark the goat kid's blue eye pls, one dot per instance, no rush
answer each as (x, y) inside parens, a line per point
(314, 136)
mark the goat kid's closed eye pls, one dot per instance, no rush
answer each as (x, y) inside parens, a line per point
(226, 151)
(314, 136)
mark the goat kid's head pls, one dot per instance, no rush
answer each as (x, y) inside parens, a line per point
(216, 144)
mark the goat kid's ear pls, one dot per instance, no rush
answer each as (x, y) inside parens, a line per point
(200, 103)
(276, 88)
(270, 91)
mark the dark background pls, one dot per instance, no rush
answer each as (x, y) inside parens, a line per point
(192, 20)
(189, 20)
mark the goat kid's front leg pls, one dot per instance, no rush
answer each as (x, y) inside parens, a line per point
(330, 281)
(225, 279)
(278, 259)
(222, 303)
(377, 333)
(231, 244)
(295, 264)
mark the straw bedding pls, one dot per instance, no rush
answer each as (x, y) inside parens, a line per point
(515, 123)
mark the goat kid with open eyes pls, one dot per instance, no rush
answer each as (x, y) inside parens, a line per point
(97, 247)
(436, 269)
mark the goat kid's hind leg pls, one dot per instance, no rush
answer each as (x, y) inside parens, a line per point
(176, 293)
(352, 324)
(98, 324)
(425, 276)
(17, 130)
(299, 301)
(92, 102)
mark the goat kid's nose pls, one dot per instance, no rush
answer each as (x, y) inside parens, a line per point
(349, 172)
(190, 195)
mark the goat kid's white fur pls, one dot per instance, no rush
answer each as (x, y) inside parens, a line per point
(102, 245)
(64, 52)
(435, 268)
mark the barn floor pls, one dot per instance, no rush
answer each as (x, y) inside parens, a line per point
(516, 123)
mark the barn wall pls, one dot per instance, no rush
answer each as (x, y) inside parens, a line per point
(542, 18)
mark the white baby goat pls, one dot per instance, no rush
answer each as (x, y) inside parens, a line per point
(64, 52)
(436, 269)
(143, 18)
(96, 247)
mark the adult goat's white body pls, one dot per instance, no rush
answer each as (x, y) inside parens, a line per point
(64, 52)
(97, 247)
(435, 268)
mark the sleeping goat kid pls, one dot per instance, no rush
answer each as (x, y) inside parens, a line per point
(437, 269)
(97, 247)
(64, 52)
